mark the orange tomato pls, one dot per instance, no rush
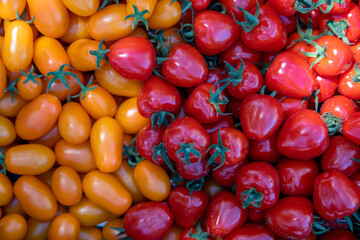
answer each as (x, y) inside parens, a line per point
(90, 214)
(77, 156)
(7, 131)
(51, 17)
(14, 75)
(125, 175)
(141, 6)
(36, 198)
(173, 37)
(109, 24)
(29, 159)
(46, 176)
(13, 227)
(165, 15)
(1, 42)
(90, 233)
(37, 230)
(152, 180)
(108, 231)
(38, 117)
(50, 139)
(8, 8)
(116, 84)
(6, 190)
(66, 186)
(106, 191)
(77, 29)
(14, 207)
(64, 226)
(173, 233)
(129, 117)
(140, 32)
(17, 50)
(74, 123)
(211, 187)
(106, 140)
(3, 79)
(9, 107)
(82, 7)
(29, 90)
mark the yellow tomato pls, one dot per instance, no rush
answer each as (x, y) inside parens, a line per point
(108, 231)
(6, 190)
(3, 79)
(173, 233)
(29, 90)
(90, 233)
(65, 226)
(141, 6)
(14, 207)
(82, 8)
(13, 227)
(50, 139)
(1, 42)
(37, 230)
(165, 15)
(139, 32)
(77, 29)
(11, 107)
(7, 131)
(8, 8)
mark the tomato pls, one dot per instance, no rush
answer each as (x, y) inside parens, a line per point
(29, 159)
(329, 199)
(173, 233)
(38, 117)
(51, 18)
(77, 29)
(11, 107)
(350, 127)
(8, 8)
(116, 84)
(348, 83)
(339, 106)
(74, 123)
(17, 49)
(106, 191)
(198, 230)
(338, 234)
(64, 226)
(257, 185)
(66, 186)
(7, 131)
(90, 214)
(13, 227)
(36, 198)
(93, 233)
(82, 8)
(251, 231)
(303, 136)
(148, 5)
(226, 175)
(291, 217)
(37, 230)
(50, 139)
(233, 7)
(225, 121)
(110, 230)
(104, 24)
(224, 214)
(14, 207)
(193, 171)
(297, 177)
(27, 88)
(6, 190)
(211, 187)
(285, 8)
(173, 38)
(148, 220)
(165, 15)
(256, 216)
(266, 150)
(3, 79)
(327, 87)
(239, 50)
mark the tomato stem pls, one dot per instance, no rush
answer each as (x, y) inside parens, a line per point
(161, 118)
(319, 54)
(132, 153)
(253, 198)
(138, 16)
(61, 76)
(2, 161)
(304, 6)
(121, 235)
(186, 150)
(195, 185)
(220, 149)
(100, 54)
(160, 150)
(199, 234)
(158, 39)
(338, 29)
(30, 76)
(332, 122)
(218, 7)
(11, 88)
(318, 229)
(356, 77)
(251, 20)
(22, 18)
(187, 32)
(106, 2)
(84, 89)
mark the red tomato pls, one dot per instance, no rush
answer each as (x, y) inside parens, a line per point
(193, 171)
(350, 127)
(226, 175)
(338, 234)
(340, 106)
(233, 7)
(239, 50)
(251, 231)
(349, 85)
(266, 150)
(327, 87)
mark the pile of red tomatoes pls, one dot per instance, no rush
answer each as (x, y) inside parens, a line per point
(179, 119)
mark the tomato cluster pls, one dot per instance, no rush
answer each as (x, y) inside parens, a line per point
(179, 119)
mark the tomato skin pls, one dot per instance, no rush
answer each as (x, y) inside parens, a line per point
(108, 230)
(152, 180)
(266, 150)
(338, 234)
(264, 178)
(226, 175)
(38, 117)
(30, 90)
(165, 15)
(239, 49)
(50, 139)
(251, 231)
(339, 106)
(225, 121)
(36, 198)
(298, 209)
(66, 186)
(193, 171)
(37, 230)
(350, 127)
(329, 199)
(141, 5)
(82, 8)
(13, 227)
(8, 8)
(327, 87)
(17, 49)
(224, 214)
(214, 32)
(232, 7)
(173, 233)
(148, 220)
(64, 226)
(133, 57)
(106, 191)
(297, 177)
(6, 190)
(285, 8)
(7, 131)
(3, 78)
(77, 29)
(311, 138)
(93, 233)
(14, 207)
(51, 17)
(347, 87)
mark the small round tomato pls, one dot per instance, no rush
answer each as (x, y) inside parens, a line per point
(7, 131)
(77, 29)
(36, 198)
(226, 175)
(28, 89)
(110, 231)
(10, 107)
(350, 127)
(338, 234)
(6, 190)
(193, 171)
(148, 5)
(50, 139)
(152, 180)
(166, 14)
(266, 150)
(90, 233)
(239, 50)
(82, 8)
(340, 106)
(106, 191)
(64, 226)
(13, 227)
(251, 231)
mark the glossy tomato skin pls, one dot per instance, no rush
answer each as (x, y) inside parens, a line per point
(165, 15)
(3, 78)
(339, 156)
(6, 190)
(77, 29)
(225, 121)
(108, 232)
(193, 171)
(187, 209)
(339, 106)
(158, 95)
(260, 116)
(133, 57)
(226, 175)
(266, 150)
(148, 220)
(285, 8)
(303, 136)
(297, 177)
(186, 67)
(232, 7)
(186, 130)
(239, 50)
(327, 87)
(81, 7)
(224, 214)
(9, 8)
(329, 199)
(251, 231)
(13, 227)
(64, 226)
(264, 178)
(350, 127)
(291, 217)
(8, 133)
(338, 234)
(214, 32)
(347, 87)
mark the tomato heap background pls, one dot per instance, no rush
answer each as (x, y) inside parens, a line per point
(165, 119)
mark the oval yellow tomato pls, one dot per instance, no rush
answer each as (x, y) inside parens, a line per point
(165, 15)
(141, 6)
(77, 29)
(37, 230)
(11, 107)
(64, 226)
(13, 227)
(8, 8)
(3, 78)
(90, 233)
(7, 131)
(82, 7)
(50, 139)
(108, 231)
(6, 190)
(29, 90)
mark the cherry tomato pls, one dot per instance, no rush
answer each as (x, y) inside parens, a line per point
(141, 6)
(233, 7)
(251, 231)
(77, 29)
(37, 230)
(266, 150)
(6, 190)
(88, 233)
(82, 8)
(7, 131)
(350, 127)
(239, 50)
(10, 107)
(13, 227)
(50, 139)
(110, 231)
(3, 79)
(8, 8)
(29, 90)
(64, 226)
(193, 171)
(338, 234)
(173, 233)
(165, 15)
(226, 175)
(340, 106)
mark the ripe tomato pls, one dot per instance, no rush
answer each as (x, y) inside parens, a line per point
(251, 231)
(165, 15)
(266, 150)
(340, 106)
(8, 8)
(13, 227)
(7, 131)
(6, 190)
(193, 171)
(29, 159)
(77, 29)
(50, 139)
(64, 226)
(87, 233)
(29, 90)
(36, 198)
(173, 233)
(350, 127)
(37, 230)
(348, 83)
(327, 87)
(110, 231)
(10, 107)
(233, 7)
(285, 8)
(141, 6)
(14, 207)
(239, 50)
(338, 234)
(3, 78)
(226, 175)
(82, 8)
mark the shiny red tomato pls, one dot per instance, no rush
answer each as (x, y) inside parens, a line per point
(251, 231)
(350, 127)
(266, 150)
(340, 106)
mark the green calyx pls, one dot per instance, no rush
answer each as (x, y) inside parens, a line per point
(253, 198)
(332, 122)
(138, 16)
(30, 76)
(158, 39)
(317, 227)
(176, 179)
(187, 32)
(107, 2)
(2, 161)
(263, 89)
(100, 54)
(217, 98)
(160, 150)
(132, 153)
(212, 61)
(319, 54)
(11, 88)
(220, 150)
(314, 94)
(195, 185)
(329, 5)
(84, 89)
(121, 235)
(304, 6)
(161, 118)
(22, 17)
(251, 20)
(218, 7)
(199, 234)
(356, 77)
(61, 75)
(338, 29)
(264, 67)
(186, 150)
